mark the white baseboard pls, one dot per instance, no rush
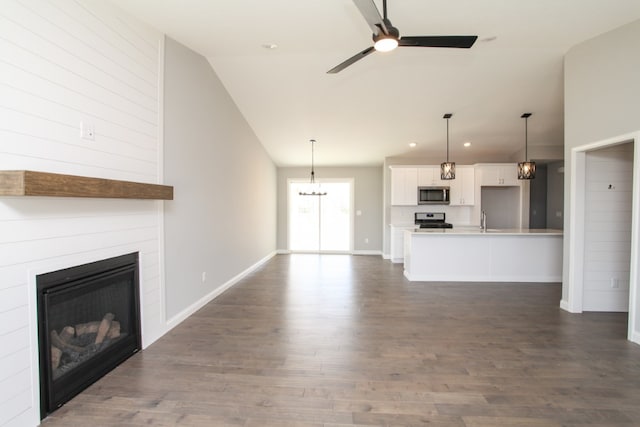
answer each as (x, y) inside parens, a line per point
(366, 252)
(150, 338)
(564, 305)
(356, 252)
(184, 314)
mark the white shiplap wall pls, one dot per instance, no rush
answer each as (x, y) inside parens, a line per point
(609, 174)
(63, 62)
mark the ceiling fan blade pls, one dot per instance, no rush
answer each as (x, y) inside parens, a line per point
(463, 42)
(358, 56)
(371, 14)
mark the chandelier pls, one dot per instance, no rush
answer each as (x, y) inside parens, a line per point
(315, 188)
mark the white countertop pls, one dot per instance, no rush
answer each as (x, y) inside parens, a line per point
(472, 231)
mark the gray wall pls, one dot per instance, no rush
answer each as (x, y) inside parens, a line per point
(367, 183)
(555, 195)
(602, 89)
(223, 218)
(547, 197)
(538, 198)
(502, 206)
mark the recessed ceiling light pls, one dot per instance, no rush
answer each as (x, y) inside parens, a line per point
(467, 144)
(413, 144)
(270, 46)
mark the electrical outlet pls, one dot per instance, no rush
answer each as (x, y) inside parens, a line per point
(366, 240)
(204, 276)
(614, 283)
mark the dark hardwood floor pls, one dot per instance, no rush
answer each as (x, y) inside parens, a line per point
(336, 340)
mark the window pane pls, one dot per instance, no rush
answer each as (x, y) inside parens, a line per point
(335, 218)
(304, 228)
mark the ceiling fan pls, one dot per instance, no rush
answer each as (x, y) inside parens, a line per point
(386, 37)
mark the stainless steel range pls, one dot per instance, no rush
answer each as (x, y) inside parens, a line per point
(431, 220)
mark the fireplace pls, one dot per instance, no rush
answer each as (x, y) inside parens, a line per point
(88, 323)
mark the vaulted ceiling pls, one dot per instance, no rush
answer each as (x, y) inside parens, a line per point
(376, 107)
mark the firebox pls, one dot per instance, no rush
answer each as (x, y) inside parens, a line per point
(88, 323)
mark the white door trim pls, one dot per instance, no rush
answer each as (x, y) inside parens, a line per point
(577, 225)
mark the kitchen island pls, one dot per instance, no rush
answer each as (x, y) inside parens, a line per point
(474, 255)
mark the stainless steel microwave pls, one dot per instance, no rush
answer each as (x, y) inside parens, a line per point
(433, 195)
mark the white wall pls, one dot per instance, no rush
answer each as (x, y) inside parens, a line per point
(607, 239)
(63, 62)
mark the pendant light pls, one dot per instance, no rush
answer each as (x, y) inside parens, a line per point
(447, 169)
(526, 169)
(315, 188)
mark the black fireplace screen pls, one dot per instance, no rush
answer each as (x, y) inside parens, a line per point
(88, 323)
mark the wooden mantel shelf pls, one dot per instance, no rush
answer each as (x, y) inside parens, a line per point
(31, 183)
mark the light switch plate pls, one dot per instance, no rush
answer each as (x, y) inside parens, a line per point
(87, 131)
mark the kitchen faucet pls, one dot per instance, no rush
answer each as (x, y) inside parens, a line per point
(483, 220)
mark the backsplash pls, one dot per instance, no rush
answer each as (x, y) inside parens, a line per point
(456, 215)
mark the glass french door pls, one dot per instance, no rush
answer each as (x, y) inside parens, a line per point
(320, 223)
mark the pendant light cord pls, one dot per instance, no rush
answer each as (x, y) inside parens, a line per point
(447, 140)
(313, 174)
(526, 139)
(525, 116)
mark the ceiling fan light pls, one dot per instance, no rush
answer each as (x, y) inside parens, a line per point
(385, 43)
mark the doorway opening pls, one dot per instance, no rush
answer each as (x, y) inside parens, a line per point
(607, 234)
(502, 206)
(546, 195)
(591, 185)
(321, 223)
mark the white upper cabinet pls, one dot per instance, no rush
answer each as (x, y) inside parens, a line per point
(463, 187)
(429, 176)
(404, 186)
(498, 174)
